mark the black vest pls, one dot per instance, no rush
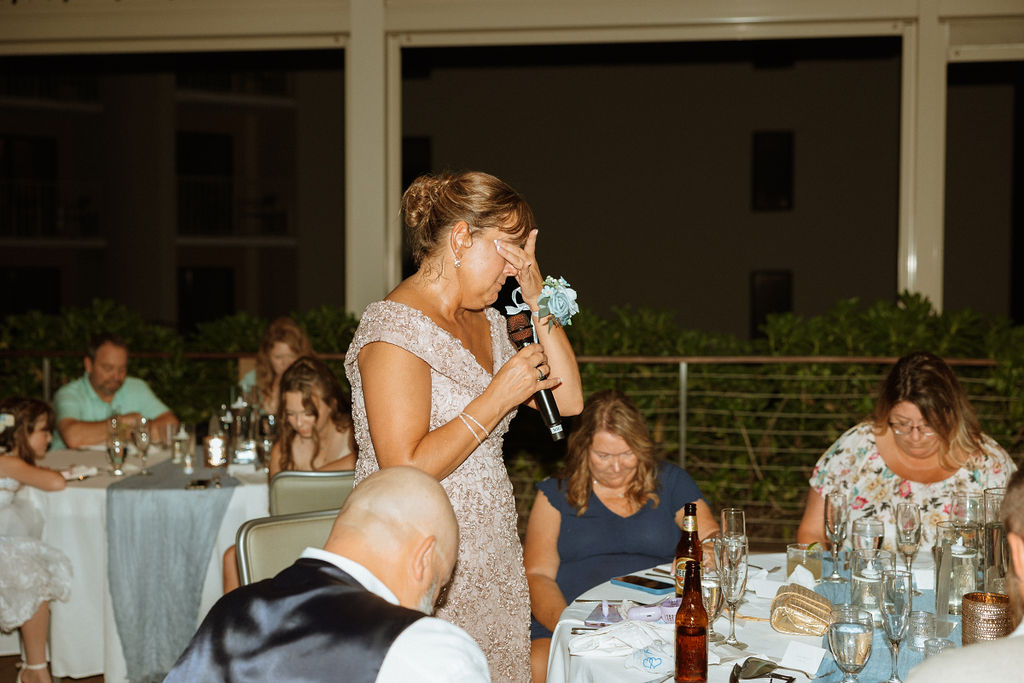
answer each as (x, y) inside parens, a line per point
(311, 622)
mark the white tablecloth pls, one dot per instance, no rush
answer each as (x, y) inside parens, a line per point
(759, 636)
(83, 634)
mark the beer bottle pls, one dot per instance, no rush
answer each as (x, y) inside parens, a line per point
(688, 547)
(692, 630)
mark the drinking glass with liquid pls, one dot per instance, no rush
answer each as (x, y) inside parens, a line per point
(866, 567)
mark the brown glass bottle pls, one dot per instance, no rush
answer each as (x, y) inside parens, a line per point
(692, 630)
(688, 547)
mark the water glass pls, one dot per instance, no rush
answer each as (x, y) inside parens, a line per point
(806, 556)
(866, 567)
(711, 589)
(837, 518)
(997, 551)
(962, 543)
(920, 629)
(867, 534)
(850, 634)
(967, 508)
(936, 646)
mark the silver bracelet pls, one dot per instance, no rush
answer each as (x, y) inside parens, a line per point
(477, 423)
(471, 430)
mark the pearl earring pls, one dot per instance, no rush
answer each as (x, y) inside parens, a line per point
(458, 263)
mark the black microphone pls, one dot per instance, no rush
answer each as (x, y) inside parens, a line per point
(520, 331)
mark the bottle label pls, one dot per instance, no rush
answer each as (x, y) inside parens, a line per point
(689, 523)
(680, 567)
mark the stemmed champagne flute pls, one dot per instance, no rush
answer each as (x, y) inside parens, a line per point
(850, 634)
(734, 522)
(731, 557)
(895, 604)
(142, 435)
(116, 444)
(908, 533)
(837, 517)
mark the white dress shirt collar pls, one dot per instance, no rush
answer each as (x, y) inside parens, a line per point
(357, 571)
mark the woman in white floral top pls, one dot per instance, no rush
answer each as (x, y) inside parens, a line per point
(922, 444)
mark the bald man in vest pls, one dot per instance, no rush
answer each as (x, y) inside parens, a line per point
(355, 610)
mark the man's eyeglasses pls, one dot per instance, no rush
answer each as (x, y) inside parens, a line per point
(906, 429)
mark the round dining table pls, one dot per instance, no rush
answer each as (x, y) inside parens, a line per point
(84, 638)
(766, 575)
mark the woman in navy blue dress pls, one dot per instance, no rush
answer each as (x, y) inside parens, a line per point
(614, 509)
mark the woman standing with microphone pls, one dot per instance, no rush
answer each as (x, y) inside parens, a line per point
(436, 381)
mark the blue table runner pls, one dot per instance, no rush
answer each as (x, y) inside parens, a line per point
(880, 665)
(159, 540)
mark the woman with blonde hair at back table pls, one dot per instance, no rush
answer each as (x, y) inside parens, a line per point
(281, 344)
(435, 382)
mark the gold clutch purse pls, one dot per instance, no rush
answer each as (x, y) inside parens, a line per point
(800, 611)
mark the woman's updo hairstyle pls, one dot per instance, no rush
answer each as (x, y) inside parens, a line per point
(432, 204)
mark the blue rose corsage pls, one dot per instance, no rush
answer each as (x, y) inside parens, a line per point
(558, 300)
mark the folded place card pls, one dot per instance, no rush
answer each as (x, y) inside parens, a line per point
(802, 657)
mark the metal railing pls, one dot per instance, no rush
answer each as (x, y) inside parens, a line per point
(748, 429)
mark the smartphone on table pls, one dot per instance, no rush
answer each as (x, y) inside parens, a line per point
(644, 583)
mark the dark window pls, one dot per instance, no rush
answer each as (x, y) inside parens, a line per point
(206, 183)
(28, 186)
(29, 289)
(772, 181)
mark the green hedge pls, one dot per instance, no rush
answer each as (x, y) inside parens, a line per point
(195, 387)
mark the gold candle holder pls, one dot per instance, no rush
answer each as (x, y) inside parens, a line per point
(986, 616)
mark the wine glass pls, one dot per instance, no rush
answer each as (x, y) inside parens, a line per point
(116, 444)
(897, 596)
(142, 435)
(868, 534)
(837, 518)
(731, 556)
(850, 634)
(733, 522)
(711, 590)
(908, 533)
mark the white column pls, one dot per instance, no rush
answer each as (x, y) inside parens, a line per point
(923, 156)
(366, 246)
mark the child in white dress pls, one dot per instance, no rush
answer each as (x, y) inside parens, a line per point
(31, 572)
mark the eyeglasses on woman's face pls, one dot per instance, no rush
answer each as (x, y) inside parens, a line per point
(907, 428)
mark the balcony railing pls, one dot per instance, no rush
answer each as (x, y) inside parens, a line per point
(32, 209)
(748, 429)
(217, 205)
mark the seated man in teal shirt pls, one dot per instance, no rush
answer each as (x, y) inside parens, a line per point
(84, 405)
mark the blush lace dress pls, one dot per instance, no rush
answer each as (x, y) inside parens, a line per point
(30, 570)
(488, 595)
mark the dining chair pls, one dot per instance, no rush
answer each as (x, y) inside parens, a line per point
(292, 492)
(267, 545)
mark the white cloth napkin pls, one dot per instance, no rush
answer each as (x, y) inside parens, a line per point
(647, 646)
(763, 587)
(79, 472)
(802, 576)
(623, 638)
